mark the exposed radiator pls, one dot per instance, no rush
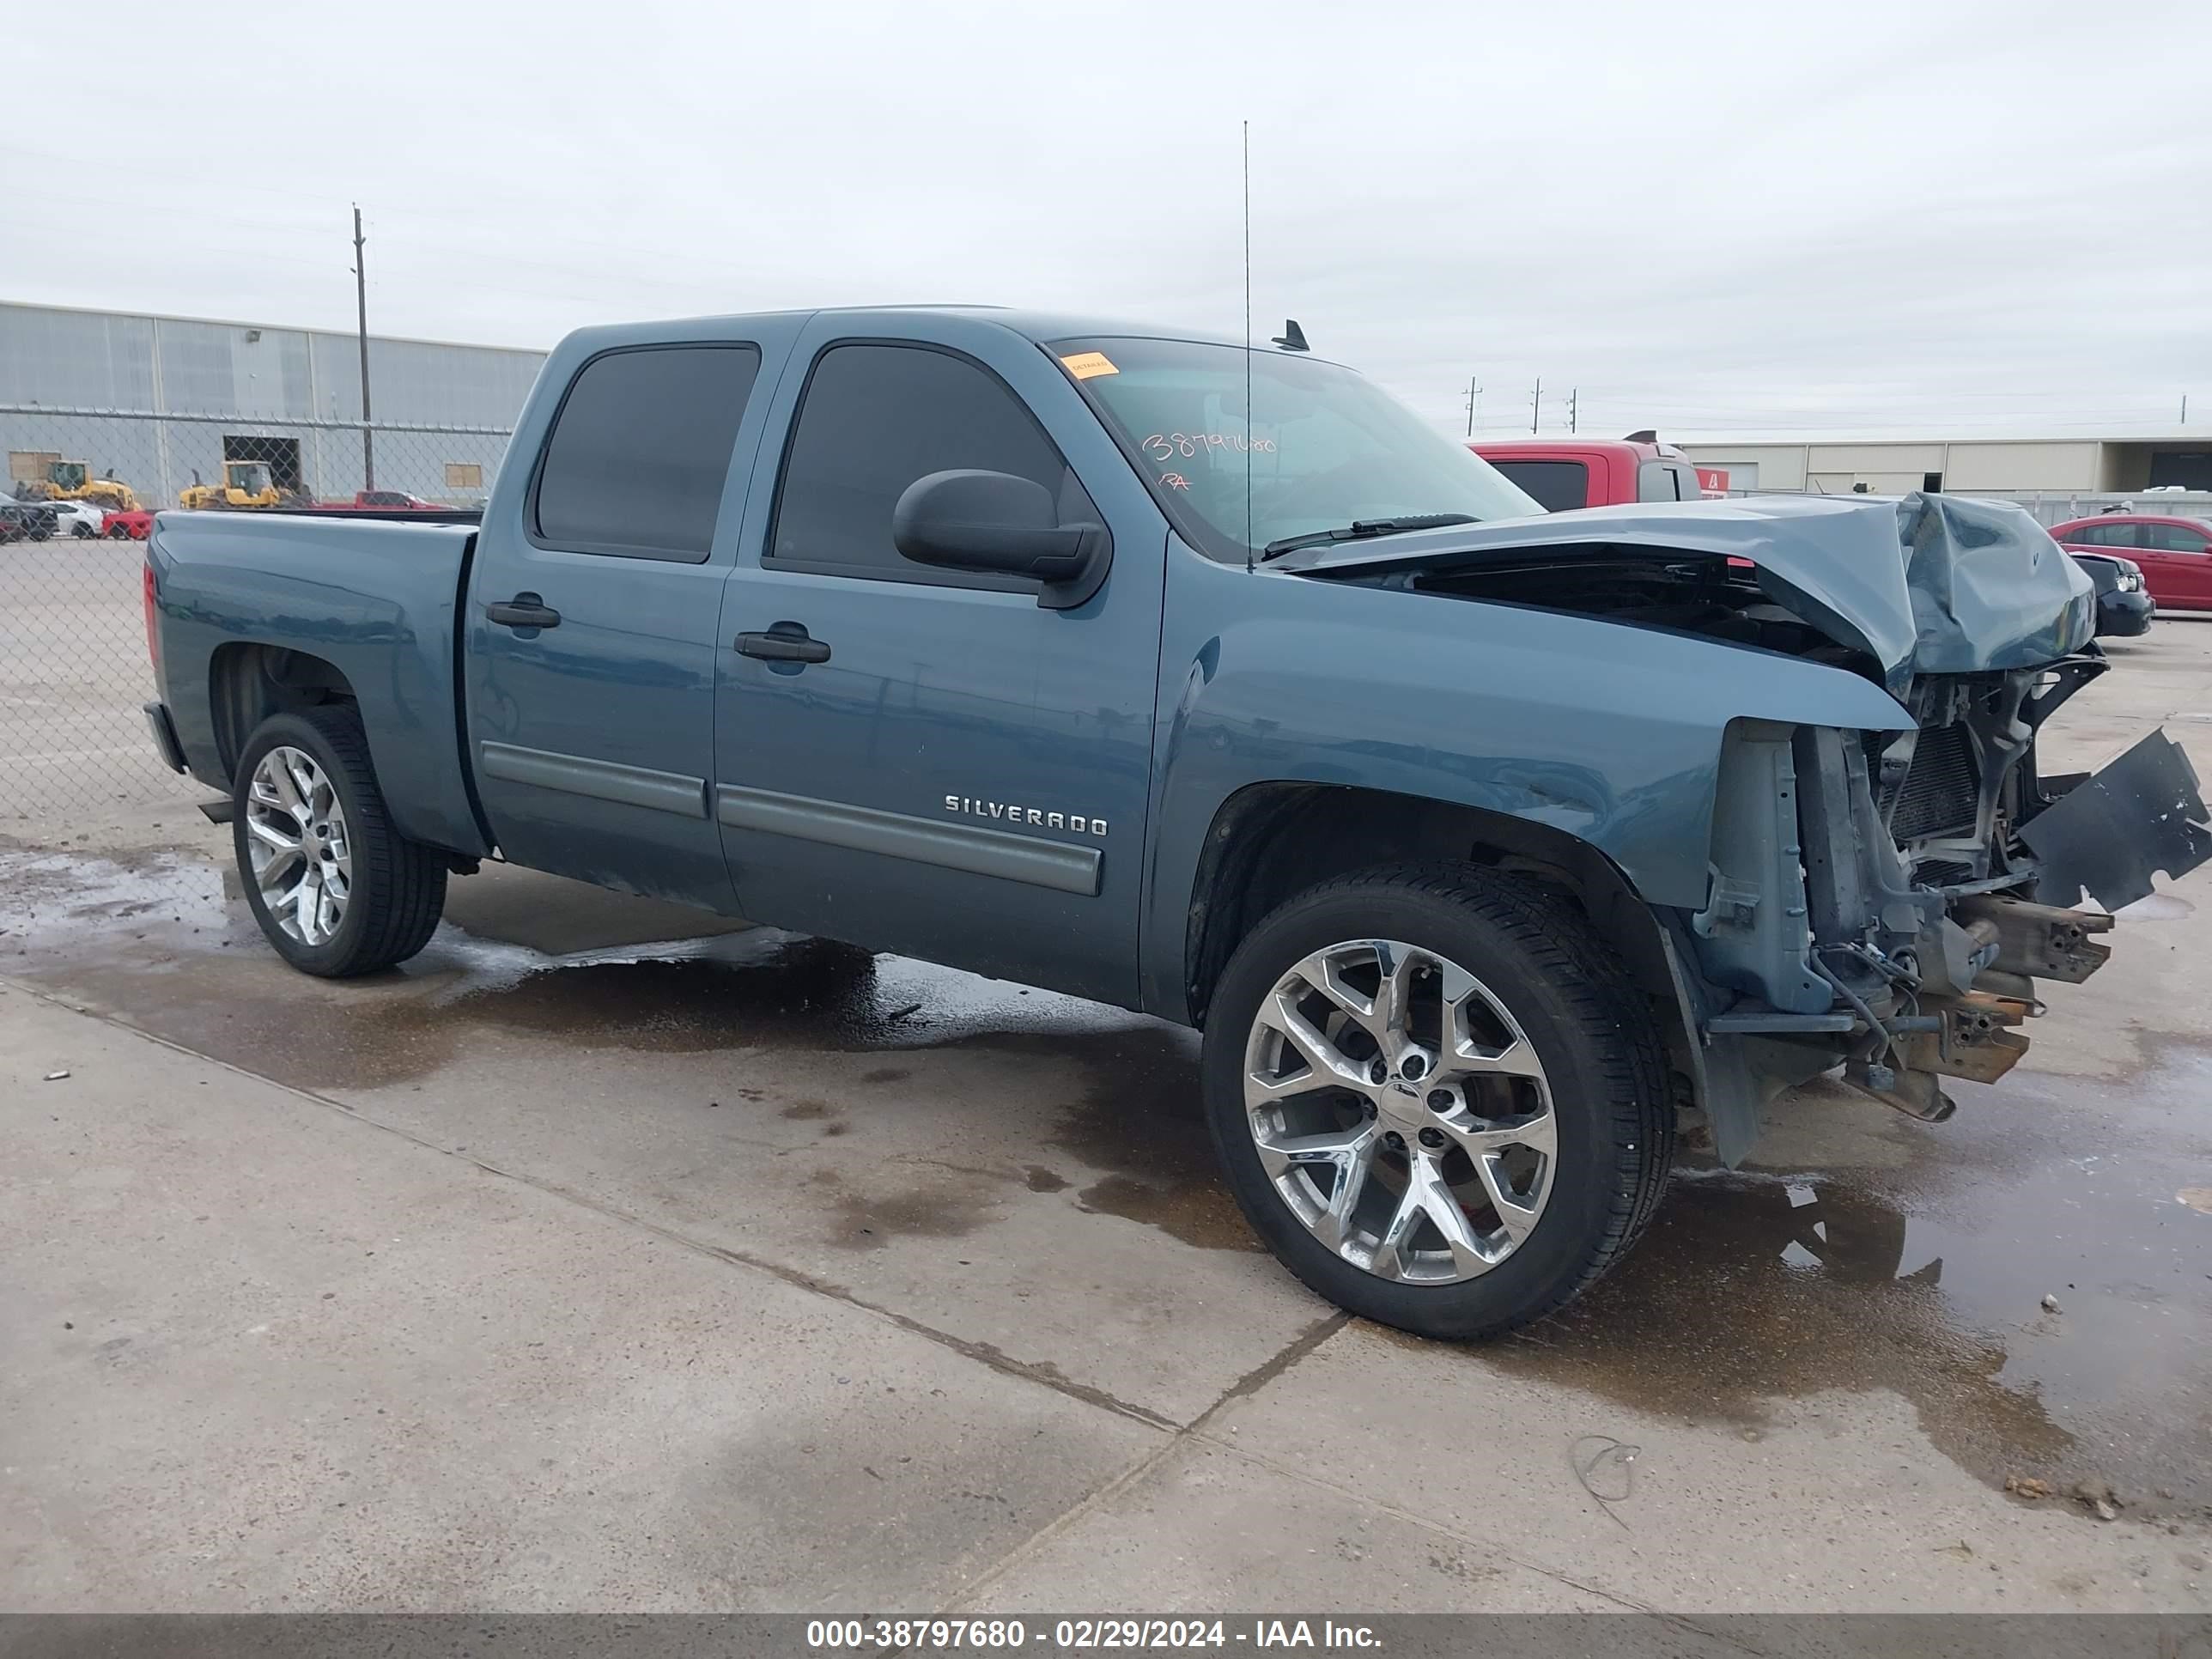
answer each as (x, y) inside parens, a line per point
(1942, 788)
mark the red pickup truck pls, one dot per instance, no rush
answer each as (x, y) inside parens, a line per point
(1562, 473)
(382, 501)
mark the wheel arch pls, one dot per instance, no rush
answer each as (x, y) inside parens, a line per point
(1269, 842)
(249, 680)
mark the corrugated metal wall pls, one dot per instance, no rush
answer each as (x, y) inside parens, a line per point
(98, 360)
(109, 381)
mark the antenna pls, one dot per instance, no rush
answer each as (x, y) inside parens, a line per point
(1247, 348)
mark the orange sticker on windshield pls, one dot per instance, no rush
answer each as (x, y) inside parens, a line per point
(1087, 365)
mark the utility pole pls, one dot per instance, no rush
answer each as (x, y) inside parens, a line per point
(1474, 403)
(1536, 404)
(1573, 393)
(2185, 409)
(361, 299)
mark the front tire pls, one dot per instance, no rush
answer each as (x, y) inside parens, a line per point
(336, 890)
(1437, 1099)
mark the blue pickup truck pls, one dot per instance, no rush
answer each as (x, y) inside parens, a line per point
(1487, 847)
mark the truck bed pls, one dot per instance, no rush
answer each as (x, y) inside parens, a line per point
(378, 599)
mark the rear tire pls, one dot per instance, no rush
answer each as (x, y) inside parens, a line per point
(1511, 1133)
(351, 895)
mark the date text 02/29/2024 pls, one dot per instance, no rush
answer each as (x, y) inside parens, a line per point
(1127, 1633)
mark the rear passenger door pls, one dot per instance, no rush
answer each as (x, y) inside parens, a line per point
(592, 627)
(921, 760)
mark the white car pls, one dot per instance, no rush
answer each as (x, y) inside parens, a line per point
(79, 518)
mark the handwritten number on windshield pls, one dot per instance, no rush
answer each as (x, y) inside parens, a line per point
(1166, 446)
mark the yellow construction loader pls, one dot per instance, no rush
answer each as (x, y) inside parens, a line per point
(73, 481)
(245, 484)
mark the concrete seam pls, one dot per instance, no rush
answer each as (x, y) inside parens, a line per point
(1253, 1380)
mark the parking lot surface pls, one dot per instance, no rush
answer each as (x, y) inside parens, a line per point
(613, 1256)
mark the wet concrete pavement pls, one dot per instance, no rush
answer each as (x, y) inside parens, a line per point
(1833, 1360)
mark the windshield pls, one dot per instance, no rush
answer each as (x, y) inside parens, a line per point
(1326, 448)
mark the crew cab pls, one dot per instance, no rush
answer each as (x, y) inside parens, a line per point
(1485, 845)
(1562, 474)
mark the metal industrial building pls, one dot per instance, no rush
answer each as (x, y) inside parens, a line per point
(2055, 469)
(163, 402)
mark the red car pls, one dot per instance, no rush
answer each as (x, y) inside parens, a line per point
(1563, 473)
(2175, 554)
(134, 525)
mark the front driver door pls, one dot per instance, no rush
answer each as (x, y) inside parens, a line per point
(2185, 561)
(958, 773)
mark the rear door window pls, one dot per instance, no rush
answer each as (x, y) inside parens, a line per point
(874, 418)
(640, 450)
(1556, 486)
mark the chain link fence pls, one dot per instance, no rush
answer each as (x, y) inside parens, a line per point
(82, 487)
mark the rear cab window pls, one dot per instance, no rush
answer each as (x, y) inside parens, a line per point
(640, 450)
(1557, 486)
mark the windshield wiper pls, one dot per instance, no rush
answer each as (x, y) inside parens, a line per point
(1360, 529)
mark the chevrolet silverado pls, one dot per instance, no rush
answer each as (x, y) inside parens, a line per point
(1487, 847)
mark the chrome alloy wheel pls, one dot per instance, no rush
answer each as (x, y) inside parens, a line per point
(1400, 1111)
(302, 859)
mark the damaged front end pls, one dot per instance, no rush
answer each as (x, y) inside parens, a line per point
(1935, 873)
(1886, 901)
(1889, 901)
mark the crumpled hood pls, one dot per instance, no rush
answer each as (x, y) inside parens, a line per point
(1924, 584)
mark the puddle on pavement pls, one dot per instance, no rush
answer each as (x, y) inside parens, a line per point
(157, 938)
(942, 1205)
(1762, 1286)
(1753, 1290)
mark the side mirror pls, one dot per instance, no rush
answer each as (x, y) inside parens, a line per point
(1002, 526)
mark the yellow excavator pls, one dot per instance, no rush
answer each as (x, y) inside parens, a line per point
(73, 481)
(245, 484)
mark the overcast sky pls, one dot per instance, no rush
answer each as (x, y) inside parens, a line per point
(1795, 214)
